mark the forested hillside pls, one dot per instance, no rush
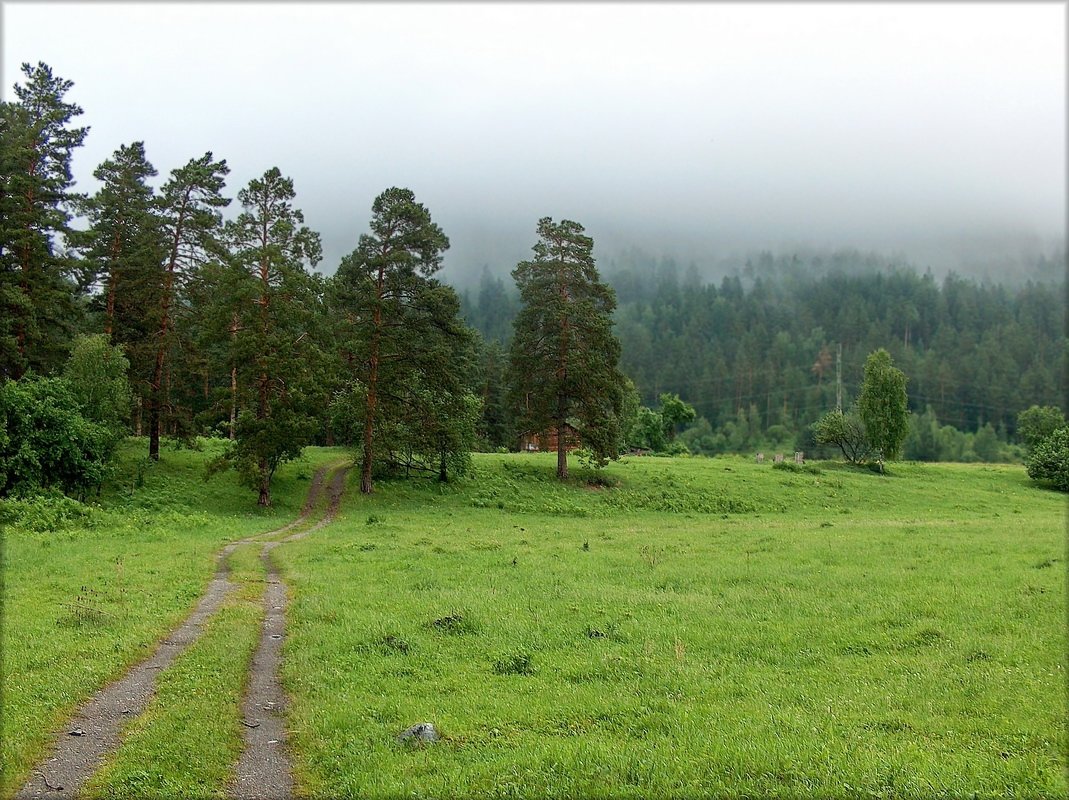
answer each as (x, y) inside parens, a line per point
(759, 349)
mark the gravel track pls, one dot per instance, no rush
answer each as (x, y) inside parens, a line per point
(264, 771)
(94, 731)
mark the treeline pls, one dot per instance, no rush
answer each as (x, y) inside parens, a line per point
(157, 315)
(756, 354)
(210, 325)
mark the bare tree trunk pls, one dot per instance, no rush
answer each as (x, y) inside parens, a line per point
(372, 391)
(154, 408)
(265, 484)
(233, 382)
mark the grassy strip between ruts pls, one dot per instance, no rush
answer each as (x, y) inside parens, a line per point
(89, 590)
(189, 738)
(849, 635)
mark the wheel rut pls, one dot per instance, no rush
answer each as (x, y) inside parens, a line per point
(264, 770)
(95, 730)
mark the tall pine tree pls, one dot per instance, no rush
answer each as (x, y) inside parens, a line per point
(191, 226)
(122, 250)
(272, 300)
(564, 357)
(402, 333)
(36, 290)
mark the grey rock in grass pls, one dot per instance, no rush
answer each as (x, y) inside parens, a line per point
(420, 733)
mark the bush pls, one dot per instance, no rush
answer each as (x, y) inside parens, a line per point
(47, 442)
(1049, 460)
(790, 466)
(845, 431)
(1038, 423)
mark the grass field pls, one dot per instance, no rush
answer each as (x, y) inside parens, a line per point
(706, 627)
(709, 627)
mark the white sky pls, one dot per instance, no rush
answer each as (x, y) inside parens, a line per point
(705, 128)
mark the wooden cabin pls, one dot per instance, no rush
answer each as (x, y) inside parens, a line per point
(531, 442)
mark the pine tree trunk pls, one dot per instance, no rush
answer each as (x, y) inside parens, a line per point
(562, 451)
(372, 389)
(19, 368)
(372, 402)
(113, 285)
(233, 382)
(562, 374)
(153, 429)
(265, 484)
(562, 455)
(154, 408)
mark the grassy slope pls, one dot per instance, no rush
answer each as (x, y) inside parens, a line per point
(710, 627)
(89, 592)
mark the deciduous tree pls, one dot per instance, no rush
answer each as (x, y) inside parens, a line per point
(882, 405)
(845, 431)
(1049, 460)
(97, 373)
(1036, 423)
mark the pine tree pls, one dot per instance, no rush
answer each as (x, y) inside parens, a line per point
(495, 427)
(36, 290)
(564, 356)
(191, 226)
(401, 331)
(122, 242)
(122, 251)
(272, 301)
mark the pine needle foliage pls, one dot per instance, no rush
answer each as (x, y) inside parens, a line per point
(564, 357)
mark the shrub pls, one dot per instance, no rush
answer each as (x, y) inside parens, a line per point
(845, 431)
(47, 441)
(790, 466)
(1036, 424)
(1049, 461)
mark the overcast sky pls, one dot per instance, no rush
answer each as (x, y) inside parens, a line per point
(930, 130)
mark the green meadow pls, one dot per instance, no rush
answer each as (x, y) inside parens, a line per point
(679, 628)
(707, 627)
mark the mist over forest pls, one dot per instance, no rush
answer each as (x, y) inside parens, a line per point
(1007, 259)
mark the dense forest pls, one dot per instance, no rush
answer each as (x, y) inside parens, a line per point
(153, 310)
(759, 349)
